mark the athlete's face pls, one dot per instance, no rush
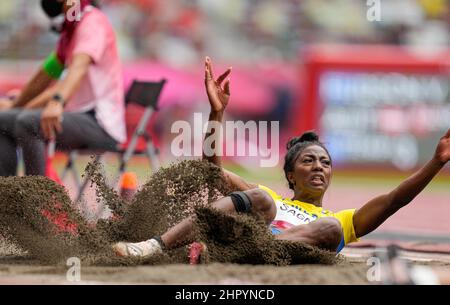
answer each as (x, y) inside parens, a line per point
(312, 171)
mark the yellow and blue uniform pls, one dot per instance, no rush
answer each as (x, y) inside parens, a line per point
(292, 213)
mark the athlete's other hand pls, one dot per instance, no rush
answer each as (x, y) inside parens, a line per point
(218, 95)
(442, 153)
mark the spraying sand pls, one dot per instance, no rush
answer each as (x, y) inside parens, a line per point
(38, 217)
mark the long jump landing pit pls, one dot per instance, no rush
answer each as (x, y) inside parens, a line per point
(17, 269)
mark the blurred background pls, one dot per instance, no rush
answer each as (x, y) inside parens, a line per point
(376, 91)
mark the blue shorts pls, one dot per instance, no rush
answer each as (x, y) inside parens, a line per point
(275, 231)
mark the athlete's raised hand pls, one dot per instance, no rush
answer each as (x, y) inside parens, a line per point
(218, 95)
(442, 153)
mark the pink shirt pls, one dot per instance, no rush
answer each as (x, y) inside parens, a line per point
(102, 88)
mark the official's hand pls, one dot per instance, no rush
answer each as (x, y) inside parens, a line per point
(51, 120)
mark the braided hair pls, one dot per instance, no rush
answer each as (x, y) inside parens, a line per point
(295, 146)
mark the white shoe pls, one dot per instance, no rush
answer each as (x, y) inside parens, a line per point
(143, 249)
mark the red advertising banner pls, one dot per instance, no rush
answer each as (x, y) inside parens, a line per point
(376, 105)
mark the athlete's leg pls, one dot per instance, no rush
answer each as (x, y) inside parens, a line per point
(255, 201)
(260, 202)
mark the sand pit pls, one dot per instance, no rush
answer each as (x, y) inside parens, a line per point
(16, 267)
(20, 272)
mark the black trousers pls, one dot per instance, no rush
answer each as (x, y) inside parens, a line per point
(21, 128)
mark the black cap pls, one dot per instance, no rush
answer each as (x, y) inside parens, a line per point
(52, 8)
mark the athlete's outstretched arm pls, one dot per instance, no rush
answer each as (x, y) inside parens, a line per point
(377, 210)
(218, 96)
(218, 91)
